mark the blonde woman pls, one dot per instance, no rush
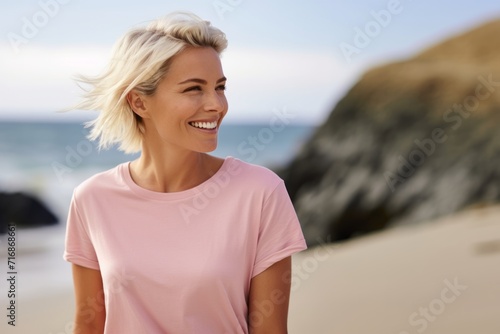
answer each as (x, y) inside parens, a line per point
(177, 241)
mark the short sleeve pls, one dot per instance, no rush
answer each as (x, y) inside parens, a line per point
(280, 234)
(78, 245)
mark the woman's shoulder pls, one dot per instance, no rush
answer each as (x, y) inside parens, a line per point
(251, 175)
(101, 181)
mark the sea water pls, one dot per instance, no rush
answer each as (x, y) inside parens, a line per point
(50, 159)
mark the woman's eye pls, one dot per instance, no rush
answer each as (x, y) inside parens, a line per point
(194, 88)
(199, 88)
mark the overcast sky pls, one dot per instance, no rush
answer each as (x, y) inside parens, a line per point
(298, 55)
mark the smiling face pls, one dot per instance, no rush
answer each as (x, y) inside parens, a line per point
(188, 106)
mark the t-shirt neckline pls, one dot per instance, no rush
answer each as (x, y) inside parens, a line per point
(124, 171)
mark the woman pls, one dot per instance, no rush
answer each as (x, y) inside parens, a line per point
(177, 241)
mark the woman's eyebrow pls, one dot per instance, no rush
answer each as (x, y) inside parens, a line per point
(201, 81)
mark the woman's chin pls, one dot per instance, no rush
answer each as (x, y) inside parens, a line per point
(207, 148)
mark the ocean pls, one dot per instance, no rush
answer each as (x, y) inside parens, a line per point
(50, 159)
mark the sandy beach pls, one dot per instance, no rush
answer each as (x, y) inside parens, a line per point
(437, 277)
(440, 277)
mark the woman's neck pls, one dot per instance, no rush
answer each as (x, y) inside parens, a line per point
(173, 171)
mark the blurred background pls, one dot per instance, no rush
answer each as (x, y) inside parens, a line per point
(387, 118)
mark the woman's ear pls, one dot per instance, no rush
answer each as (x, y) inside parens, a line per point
(136, 102)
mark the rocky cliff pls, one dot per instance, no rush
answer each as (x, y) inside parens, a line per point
(412, 140)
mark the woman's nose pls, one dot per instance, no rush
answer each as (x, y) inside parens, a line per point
(215, 102)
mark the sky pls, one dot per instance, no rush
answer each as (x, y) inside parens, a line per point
(298, 56)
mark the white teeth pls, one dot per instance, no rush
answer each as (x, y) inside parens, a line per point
(204, 125)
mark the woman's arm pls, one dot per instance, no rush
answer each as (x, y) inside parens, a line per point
(269, 297)
(89, 297)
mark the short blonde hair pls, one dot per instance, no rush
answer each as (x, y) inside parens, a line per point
(141, 58)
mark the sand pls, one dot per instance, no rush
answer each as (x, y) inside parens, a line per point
(437, 277)
(398, 281)
(44, 292)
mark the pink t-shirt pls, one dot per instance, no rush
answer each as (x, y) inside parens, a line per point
(180, 262)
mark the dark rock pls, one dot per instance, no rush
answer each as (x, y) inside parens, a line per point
(411, 141)
(24, 210)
